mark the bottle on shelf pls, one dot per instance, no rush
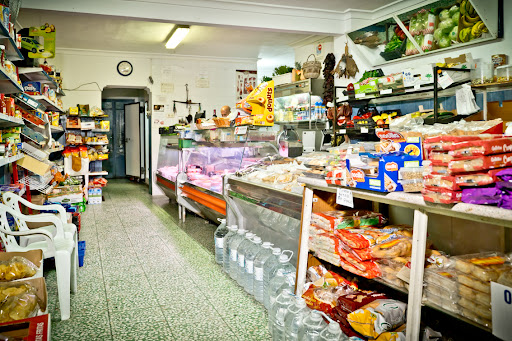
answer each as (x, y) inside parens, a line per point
(233, 252)
(312, 325)
(225, 253)
(220, 233)
(242, 249)
(271, 261)
(248, 271)
(293, 319)
(277, 314)
(259, 261)
(282, 280)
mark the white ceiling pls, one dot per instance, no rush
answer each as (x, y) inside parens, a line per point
(332, 5)
(96, 32)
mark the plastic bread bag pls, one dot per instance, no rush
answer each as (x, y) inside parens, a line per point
(369, 271)
(17, 268)
(441, 195)
(441, 181)
(470, 314)
(367, 266)
(506, 278)
(440, 157)
(481, 147)
(478, 178)
(481, 196)
(17, 302)
(486, 266)
(364, 237)
(325, 298)
(346, 219)
(476, 163)
(378, 317)
(319, 276)
(481, 311)
(476, 296)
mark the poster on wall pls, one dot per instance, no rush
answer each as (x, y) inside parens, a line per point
(35, 48)
(245, 83)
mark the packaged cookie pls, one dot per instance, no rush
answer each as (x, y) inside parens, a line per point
(445, 278)
(477, 163)
(477, 179)
(481, 147)
(486, 266)
(441, 181)
(441, 195)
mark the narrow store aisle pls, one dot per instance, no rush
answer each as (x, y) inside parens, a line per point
(146, 278)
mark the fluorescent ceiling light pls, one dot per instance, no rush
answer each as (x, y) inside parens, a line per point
(177, 36)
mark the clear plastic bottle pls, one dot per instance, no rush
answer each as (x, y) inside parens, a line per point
(225, 254)
(312, 325)
(220, 233)
(277, 314)
(259, 261)
(271, 261)
(248, 272)
(282, 280)
(293, 319)
(242, 249)
(233, 251)
(282, 263)
(333, 333)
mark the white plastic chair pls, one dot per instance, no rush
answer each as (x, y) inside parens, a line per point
(63, 249)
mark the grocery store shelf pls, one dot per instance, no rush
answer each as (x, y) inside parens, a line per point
(481, 213)
(457, 316)
(50, 105)
(97, 143)
(57, 149)
(37, 74)
(98, 173)
(11, 50)
(28, 102)
(492, 86)
(56, 129)
(7, 160)
(7, 84)
(100, 130)
(10, 121)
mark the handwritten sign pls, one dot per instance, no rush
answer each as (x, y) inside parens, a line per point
(344, 197)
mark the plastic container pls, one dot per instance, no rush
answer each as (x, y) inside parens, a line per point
(283, 264)
(410, 173)
(226, 253)
(293, 319)
(483, 74)
(415, 185)
(248, 271)
(312, 325)
(242, 249)
(332, 333)
(220, 234)
(277, 314)
(81, 252)
(259, 261)
(271, 261)
(282, 280)
(504, 73)
(234, 243)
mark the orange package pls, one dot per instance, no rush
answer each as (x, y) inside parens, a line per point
(364, 238)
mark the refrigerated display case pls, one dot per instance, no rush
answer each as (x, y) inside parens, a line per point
(168, 166)
(299, 102)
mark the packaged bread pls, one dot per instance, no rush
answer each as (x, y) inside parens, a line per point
(389, 268)
(444, 142)
(378, 317)
(477, 163)
(470, 314)
(476, 296)
(369, 271)
(487, 266)
(481, 311)
(446, 278)
(506, 278)
(442, 292)
(477, 179)
(473, 282)
(440, 157)
(347, 219)
(397, 247)
(364, 237)
(353, 301)
(481, 147)
(442, 302)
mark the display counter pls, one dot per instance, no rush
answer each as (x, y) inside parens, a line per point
(168, 165)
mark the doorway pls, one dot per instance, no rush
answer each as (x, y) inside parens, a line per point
(116, 102)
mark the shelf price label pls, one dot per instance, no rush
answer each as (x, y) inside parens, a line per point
(343, 131)
(364, 130)
(344, 197)
(241, 130)
(386, 91)
(363, 95)
(501, 303)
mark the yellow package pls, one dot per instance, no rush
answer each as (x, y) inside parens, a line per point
(397, 335)
(105, 125)
(261, 100)
(55, 119)
(73, 111)
(378, 317)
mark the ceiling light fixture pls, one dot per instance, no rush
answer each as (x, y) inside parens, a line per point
(177, 35)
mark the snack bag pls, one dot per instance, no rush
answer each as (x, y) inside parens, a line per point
(378, 317)
(261, 100)
(16, 268)
(481, 147)
(441, 195)
(476, 163)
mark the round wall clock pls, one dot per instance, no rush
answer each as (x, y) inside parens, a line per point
(125, 68)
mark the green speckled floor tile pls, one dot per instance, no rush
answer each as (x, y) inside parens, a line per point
(94, 326)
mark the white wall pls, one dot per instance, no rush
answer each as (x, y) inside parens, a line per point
(303, 52)
(81, 66)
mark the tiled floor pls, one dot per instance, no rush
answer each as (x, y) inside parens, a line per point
(146, 277)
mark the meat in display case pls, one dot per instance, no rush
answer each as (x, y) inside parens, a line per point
(168, 165)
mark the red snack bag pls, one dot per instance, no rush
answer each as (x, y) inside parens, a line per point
(445, 142)
(370, 272)
(441, 195)
(442, 157)
(476, 163)
(441, 181)
(354, 301)
(481, 147)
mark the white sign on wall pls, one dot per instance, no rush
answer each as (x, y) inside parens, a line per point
(167, 88)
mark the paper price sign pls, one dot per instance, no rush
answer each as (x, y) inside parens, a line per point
(501, 303)
(363, 95)
(364, 130)
(343, 131)
(344, 197)
(386, 91)
(242, 130)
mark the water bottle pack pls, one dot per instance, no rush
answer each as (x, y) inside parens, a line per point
(220, 234)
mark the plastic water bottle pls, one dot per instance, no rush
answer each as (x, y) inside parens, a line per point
(233, 252)
(259, 261)
(293, 319)
(250, 255)
(271, 261)
(225, 254)
(283, 264)
(277, 314)
(312, 325)
(220, 234)
(282, 280)
(242, 249)
(332, 333)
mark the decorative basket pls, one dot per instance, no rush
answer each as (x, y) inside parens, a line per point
(311, 69)
(221, 122)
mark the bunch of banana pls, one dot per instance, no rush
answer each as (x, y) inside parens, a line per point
(467, 8)
(477, 29)
(468, 21)
(465, 35)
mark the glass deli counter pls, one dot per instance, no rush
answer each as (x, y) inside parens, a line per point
(299, 102)
(169, 165)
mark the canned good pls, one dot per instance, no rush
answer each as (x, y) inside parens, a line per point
(499, 59)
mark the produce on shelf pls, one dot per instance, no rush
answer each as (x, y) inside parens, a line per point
(471, 25)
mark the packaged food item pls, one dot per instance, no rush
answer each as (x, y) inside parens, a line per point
(481, 196)
(17, 302)
(390, 267)
(477, 179)
(445, 278)
(481, 311)
(506, 278)
(395, 247)
(441, 196)
(378, 317)
(476, 163)
(483, 298)
(470, 314)
(442, 302)
(368, 266)
(17, 268)
(410, 173)
(346, 219)
(325, 298)
(364, 238)
(353, 301)
(440, 157)
(415, 185)
(441, 181)
(481, 147)
(486, 266)
(438, 169)
(368, 271)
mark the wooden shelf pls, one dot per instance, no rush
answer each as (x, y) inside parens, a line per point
(98, 173)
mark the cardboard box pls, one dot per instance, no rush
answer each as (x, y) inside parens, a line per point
(73, 111)
(34, 165)
(73, 123)
(417, 76)
(32, 88)
(35, 256)
(36, 328)
(31, 118)
(86, 125)
(368, 85)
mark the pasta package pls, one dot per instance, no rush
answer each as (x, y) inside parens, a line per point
(481, 147)
(378, 317)
(477, 163)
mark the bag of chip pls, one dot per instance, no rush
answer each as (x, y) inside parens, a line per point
(378, 317)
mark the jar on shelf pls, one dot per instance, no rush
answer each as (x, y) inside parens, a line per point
(483, 74)
(504, 73)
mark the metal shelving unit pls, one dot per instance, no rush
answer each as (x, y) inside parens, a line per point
(11, 50)
(48, 103)
(10, 121)
(37, 74)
